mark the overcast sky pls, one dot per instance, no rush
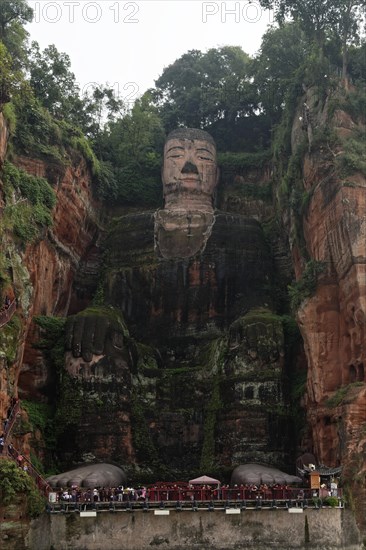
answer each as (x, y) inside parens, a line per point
(128, 44)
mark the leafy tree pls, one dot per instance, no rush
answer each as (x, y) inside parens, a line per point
(14, 14)
(200, 88)
(98, 106)
(52, 81)
(13, 10)
(15, 483)
(351, 14)
(320, 20)
(214, 91)
(357, 63)
(8, 77)
(314, 17)
(281, 58)
(130, 149)
(55, 86)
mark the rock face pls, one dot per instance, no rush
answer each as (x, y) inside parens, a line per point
(333, 321)
(43, 272)
(53, 262)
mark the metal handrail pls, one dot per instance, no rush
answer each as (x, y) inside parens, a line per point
(6, 313)
(41, 483)
(11, 420)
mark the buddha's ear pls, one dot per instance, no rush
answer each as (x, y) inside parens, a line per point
(217, 175)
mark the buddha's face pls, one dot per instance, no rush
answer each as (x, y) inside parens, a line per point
(189, 167)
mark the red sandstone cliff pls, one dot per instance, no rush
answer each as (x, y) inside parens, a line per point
(46, 268)
(333, 321)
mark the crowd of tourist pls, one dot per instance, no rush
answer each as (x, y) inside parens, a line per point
(100, 494)
(181, 492)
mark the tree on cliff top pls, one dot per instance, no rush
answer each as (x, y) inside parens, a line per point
(322, 20)
(213, 91)
(130, 149)
(200, 88)
(281, 58)
(52, 80)
(8, 77)
(12, 10)
(14, 14)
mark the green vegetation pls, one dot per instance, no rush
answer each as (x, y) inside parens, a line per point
(4, 272)
(142, 440)
(321, 22)
(30, 200)
(15, 484)
(331, 501)
(306, 286)
(207, 461)
(261, 330)
(14, 14)
(52, 339)
(339, 396)
(214, 365)
(8, 77)
(42, 415)
(38, 413)
(106, 314)
(70, 404)
(241, 162)
(131, 153)
(146, 359)
(10, 117)
(209, 90)
(9, 339)
(352, 158)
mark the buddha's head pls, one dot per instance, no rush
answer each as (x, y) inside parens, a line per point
(190, 173)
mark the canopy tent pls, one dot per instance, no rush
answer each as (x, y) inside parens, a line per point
(204, 480)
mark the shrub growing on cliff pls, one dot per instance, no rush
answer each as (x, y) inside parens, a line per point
(14, 483)
(306, 286)
(29, 201)
(353, 157)
(338, 397)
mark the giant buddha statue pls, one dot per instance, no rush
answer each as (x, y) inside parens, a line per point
(182, 365)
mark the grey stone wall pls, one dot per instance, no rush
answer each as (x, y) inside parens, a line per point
(328, 529)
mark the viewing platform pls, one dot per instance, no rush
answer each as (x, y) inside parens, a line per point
(91, 509)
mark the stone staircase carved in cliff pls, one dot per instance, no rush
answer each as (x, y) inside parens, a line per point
(6, 313)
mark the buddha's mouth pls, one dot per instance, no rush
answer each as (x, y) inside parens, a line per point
(190, 178)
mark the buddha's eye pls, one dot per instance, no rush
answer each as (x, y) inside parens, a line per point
(177, 156)
(200, 157)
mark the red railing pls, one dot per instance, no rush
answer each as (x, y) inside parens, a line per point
(7, 312)
(158, 494)
(21, 460)
(11, 420)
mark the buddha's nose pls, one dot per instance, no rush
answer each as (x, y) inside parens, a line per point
(189, 168)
